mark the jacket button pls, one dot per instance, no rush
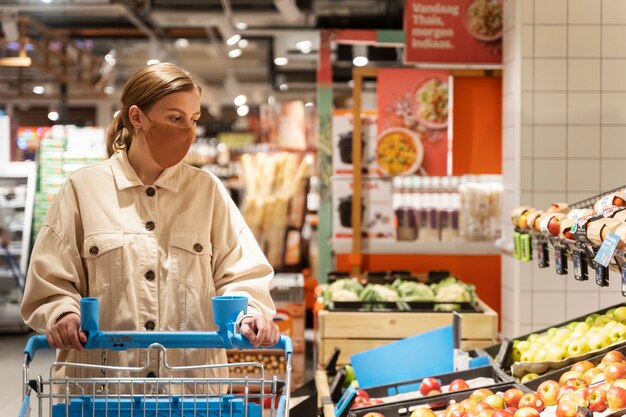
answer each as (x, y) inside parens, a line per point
(151, 192)
(197, 247)
(93, 250)
(150, 226)
(151, 375)
(150, 325)
(149, 275)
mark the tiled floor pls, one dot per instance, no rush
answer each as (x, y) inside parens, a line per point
(11, 359)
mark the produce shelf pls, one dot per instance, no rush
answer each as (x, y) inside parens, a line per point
(416, 248)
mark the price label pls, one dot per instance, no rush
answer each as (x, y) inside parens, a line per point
(543, 259)
(580, 266)
(607, 250)
(602, 275)
(526, 252)
(517, 245)
(560, 260)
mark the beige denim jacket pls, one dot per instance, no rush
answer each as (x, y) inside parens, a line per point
(153, 255)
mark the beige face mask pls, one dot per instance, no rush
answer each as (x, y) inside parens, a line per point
(169, 144)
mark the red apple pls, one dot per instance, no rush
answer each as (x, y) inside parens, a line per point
(572, 396)
(455, 410)
(471, 413)
(512, 396)
(546, 391)
(362, 394)
(619, 383)
(458, 385)
(429, 384)
(554, 224)
(502, 413)
(602, 365)
(616, 397)
(584, 392)
(562, 391)
(614, 356)
(469, 404)
(614, 371)
(441, 413)
(487, 412)
(576, 383)
(495, 401)
(606, 386)
(590, 374)
(483, 406)
(526, 412)
(567, 409)
(433, 392)
(480, 394)
(568, 375)
(374, 414)
(511, 410)
(423, 412)
(531, 400)
(597, 400)
(582, 366)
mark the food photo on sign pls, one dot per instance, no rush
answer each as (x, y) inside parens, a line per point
(414, 116)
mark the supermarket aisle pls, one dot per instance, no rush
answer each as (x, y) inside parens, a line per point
(11, 358)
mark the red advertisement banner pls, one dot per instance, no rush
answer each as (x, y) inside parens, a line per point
(413, 118)
(453, 31)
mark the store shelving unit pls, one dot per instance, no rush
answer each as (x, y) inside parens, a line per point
(17, 195)
(422, 248)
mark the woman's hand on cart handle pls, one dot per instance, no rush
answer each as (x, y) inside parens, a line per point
(260, 331)
(66, 333)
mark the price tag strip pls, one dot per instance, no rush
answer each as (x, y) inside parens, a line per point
(580, 265)
(543, 258)
(560, 259)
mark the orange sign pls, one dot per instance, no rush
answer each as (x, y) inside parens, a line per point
(453, 31)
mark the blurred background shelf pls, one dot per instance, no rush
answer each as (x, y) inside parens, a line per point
(444, 248)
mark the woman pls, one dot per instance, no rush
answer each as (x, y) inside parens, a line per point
(153, 238)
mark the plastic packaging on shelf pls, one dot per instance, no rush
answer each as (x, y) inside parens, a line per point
(481, 198)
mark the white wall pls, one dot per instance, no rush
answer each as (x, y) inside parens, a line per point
(564, 133)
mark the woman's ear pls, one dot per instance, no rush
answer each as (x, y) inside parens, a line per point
(134, 115)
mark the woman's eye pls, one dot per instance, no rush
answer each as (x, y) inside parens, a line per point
(175, 119)
(195, 122)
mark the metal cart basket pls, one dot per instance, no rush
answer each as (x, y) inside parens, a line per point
(159, 397)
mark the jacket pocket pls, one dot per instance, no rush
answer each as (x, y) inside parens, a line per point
(191, 255)
(103, 257)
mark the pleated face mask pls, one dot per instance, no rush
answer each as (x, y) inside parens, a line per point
(169, 144)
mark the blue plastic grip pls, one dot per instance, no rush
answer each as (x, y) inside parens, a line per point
(89, 314)
(34, 344)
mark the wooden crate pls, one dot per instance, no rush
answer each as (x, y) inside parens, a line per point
(355, 332)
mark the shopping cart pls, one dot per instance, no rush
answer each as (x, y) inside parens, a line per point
(159, 397)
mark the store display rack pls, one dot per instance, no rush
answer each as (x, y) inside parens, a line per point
(542, 247)
(423, 248)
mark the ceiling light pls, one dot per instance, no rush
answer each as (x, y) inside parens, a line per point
(152, 62)
(360, 61)
(182, 43)
(243, 110)
(351, 83)
(241, 25)
(234, 53)
(283, 87)
(309, 104)
(46, 1)
(39, 89)
(110, 58)
(243, 43)
(233, 39)
(54, 116)
(271, 100)
(281, 61)
(240, 100)
(304, 46)
(108, 90)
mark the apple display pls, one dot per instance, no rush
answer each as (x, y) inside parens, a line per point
(616, 397)
(480, 394)
(458, 385)
(569, 375)
(590, 374)
(531, 400)
(512, 396)
(582, 366)
(576, 383)
(546, 391)
(495, 401)
(527, 412)
(428, 385)
(423, 412)
(567, 409)
(597, 400)
(614, 371)
(614, 355)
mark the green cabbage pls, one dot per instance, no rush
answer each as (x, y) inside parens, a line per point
(413, 291)
(343, 290)
(376, 292)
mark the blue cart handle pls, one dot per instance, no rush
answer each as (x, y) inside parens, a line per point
(225, 337)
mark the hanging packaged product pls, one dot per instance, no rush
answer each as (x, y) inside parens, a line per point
(519, 216)
(599, 229)
(533, 221)
(566, 229)
(615, 199)
(376, 211)
(576, 214)
(614, 212)
(582, 225)
(558, 208)
(551, 223)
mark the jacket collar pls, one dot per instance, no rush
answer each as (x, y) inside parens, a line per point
(126, 177)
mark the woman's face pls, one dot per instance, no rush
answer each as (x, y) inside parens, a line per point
(177, 109)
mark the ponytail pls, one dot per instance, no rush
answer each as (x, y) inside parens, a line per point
(118, 136)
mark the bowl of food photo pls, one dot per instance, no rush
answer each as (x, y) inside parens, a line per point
(483, 19)
(399, 151)
(430, 102)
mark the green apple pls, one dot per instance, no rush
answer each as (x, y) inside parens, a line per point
(582, 327)
(542, 340)
(610, 312)
(620, 314)
(591, 318)
(552, 331)
(528, 356)
(577, 334)
(601, 321)
(609, 326)
(571, 326)
(599, 341)
(555, 353)
(532, 337)
(529, 377)
(578, 347)
(541, 355)
(618, 332)
(523, 346)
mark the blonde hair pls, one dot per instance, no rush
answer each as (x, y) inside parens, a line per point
(148, 85)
